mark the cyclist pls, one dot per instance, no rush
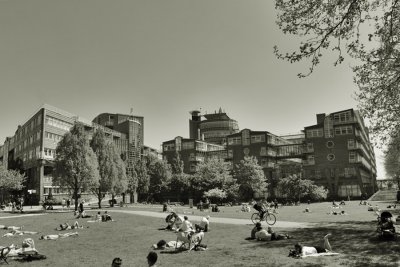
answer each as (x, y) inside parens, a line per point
(259, 206)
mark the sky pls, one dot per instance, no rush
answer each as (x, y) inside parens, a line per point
(161, 58)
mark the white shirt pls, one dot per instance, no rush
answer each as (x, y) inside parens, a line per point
(186, 226)
(308, 251)
(263, 235)
(204, 222)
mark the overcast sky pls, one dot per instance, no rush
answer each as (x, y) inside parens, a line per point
(162, 58)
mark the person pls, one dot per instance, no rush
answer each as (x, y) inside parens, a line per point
(201, 205)
(54, 237)
(342, 202)
(81, 207)
(152, 259)
(177, 221)
(277, 236)
(253, 232)
(18, 232)
(106, 217)
(203, 225)
(116, 262)
(66, 226)
(260, 208)
(186, 226)
(306, 251)
(63, 203)
(307, 210)
(11, 227)
(98, 217)
(276, 205)
(170, 220)
(68, 203)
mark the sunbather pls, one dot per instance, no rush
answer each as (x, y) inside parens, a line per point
(304, 251)
(18, 232)
(54, 237)
(67, 226)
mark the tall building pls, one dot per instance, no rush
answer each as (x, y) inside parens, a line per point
(191, 152)
(33, 146)
(339, 154)
(213, 129)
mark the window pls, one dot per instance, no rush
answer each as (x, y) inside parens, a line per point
(246, 137)
(263, 151)
(310, 147)
(330, 144)
(230, 153)
(352, 157)
(234, 141)
(311, 159)
(315, 133)
(342, 117)
(350, 143)
(58, 123)
(331, 157)
(349, 172)
(343, 130)
(257, 138)
(318, 174)
(187, 145)
(246, 151)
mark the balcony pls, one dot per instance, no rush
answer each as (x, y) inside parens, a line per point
(308, 162)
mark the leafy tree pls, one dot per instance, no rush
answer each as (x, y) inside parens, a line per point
(215, 194)
(177, 164)
(294, 187)
(120, 182)
(142, 176)
(250, 177)
(179, 186)
(368, 31)
(392, 160)
(160, 174)
(212, 173)
(75, 164)
(11, 180)
(102, 148)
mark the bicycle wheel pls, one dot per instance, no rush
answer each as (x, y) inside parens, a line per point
(270, 219)
(255, 218)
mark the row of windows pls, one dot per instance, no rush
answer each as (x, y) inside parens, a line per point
(315, 133)
(342, 130)
(27, 142)
(58, 123)
(353, 157)
(53, 136)
(342, 117)
(29, 127)
(346, 172)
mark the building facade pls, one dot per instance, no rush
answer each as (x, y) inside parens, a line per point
(191, 152)
(33, 146)
(339, 155)
(213, 129)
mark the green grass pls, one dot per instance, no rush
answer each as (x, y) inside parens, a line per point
(131, 236)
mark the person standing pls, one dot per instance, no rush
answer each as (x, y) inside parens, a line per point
(68, 203)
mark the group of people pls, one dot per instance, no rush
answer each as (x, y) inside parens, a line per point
(260, 234)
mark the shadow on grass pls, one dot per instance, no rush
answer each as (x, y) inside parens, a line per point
(350, 239)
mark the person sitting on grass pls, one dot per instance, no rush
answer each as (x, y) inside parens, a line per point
(253, 232)
(106, 217)
(203, 225)
(67, 226)
(55, 237)
(97, 218)
(152, 259)
(269, 235)
(305, 251)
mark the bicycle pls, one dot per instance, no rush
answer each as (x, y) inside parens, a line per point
(269, 218)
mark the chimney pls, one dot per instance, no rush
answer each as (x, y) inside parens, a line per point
(320, 118)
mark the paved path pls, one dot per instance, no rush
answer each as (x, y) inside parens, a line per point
(282, 224)
(22, 215)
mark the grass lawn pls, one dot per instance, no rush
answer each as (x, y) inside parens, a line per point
(131, 236)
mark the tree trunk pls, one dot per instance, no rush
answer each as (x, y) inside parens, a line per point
(99, 197)
(76, 199)
(112, 200)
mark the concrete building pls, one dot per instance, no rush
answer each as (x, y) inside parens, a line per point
(213, 129)
(33, 146)
(339, 154)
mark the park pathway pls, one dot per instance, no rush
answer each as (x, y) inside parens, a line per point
(281, 224)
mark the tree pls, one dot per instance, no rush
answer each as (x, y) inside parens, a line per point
(392, 160)
(75, 164)
(294, 188)
(11, 181)
(368, 31)
(142, 176)
(160, 175)
(251, 179)
(177, 164)
(212, 173)
(215, 194)
(111, 167)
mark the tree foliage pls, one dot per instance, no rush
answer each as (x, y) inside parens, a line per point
(159, 174)
(294, 188)
(212, 173)
(366, 30)
(11, 180)
(76, 166)
(215, 194)
(251, 179)
(142, 176)
(392, 160)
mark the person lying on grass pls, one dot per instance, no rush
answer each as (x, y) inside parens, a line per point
(18, 232)
(67, 226)
(11, 227)
(54, 237)
(305, 251)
